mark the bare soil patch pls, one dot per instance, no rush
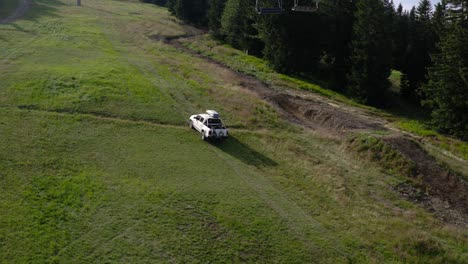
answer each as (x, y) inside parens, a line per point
(321, 115)
(442, 183)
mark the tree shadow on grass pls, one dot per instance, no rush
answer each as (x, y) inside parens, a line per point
(19, 28)
(42, 8)
(15, 27)
(400, 107)
(244, 153)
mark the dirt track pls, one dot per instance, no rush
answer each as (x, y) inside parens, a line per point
(19, 12)
(447, 194)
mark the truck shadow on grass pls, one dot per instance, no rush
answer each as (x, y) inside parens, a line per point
(244, 153)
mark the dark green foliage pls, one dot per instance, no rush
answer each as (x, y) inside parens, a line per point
(171, 6)
(215, 11)
(293, 42)
(447, 89)
(404, 82)
(370, 53)
(412, 14)
(399, 9)
(337, 31)
(233, 23)
(237, 26)
(438, 18)
(315, 44)
(421, 45)
(401, 37)
(424, 11)
(192, 11)
(156, 2)
(276, 49)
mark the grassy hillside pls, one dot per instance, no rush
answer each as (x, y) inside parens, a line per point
(97, 163)
(402, 115)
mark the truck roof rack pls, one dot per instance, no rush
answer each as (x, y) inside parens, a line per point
(212, 113)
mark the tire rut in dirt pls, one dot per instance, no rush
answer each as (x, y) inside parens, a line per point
(319, 115)
(443, 184)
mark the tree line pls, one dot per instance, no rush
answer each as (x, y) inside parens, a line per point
(353, 45)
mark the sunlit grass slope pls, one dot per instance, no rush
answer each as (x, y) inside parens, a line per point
(97, 164)
(80, 189)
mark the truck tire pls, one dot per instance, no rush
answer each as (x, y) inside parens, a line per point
(190, 124)
(203, 136)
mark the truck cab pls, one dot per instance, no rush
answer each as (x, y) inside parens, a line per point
(209, 124)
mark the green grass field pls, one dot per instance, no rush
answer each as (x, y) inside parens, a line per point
(97, 163)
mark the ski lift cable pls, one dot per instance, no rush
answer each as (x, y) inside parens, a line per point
(278, 9)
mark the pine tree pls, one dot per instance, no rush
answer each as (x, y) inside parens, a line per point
(272, 31)
(232, 22)
(424, 11)
(370, 53)
(338, 33)
(412, 14)
(156, 2)
(389, 7)
(447, 89)
(401, 38)
(191, 11)
(438, 18)
(171, 6)
(215, 11)
(420, 47)
(293, 41)
(391, 22)
(400, 10)
(237, 26)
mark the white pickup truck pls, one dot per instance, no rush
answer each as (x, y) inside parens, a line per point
(209, 125)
